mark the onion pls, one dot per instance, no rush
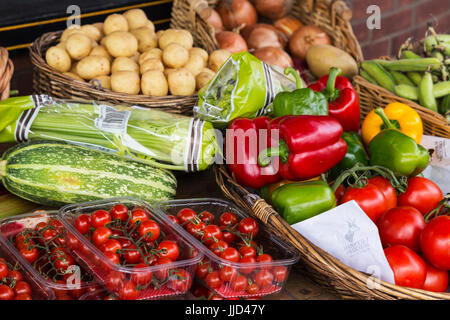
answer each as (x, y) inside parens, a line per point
(288, 25)
(304, 37)
(237, 13)
(231, 41)
(262, 35)
(273, 9)
(274, 56)
(215, 20)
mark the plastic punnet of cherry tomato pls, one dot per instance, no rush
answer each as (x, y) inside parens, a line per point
(136, 247)
(238, 265)
(13, 286)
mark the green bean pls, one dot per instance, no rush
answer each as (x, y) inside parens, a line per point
(405, 65)
(408, 54)
(367, 76)
(415, 77)
(382, 77)
(441, 89)
(444, 106)
(407, 91)
(400, 78)
(426, 97)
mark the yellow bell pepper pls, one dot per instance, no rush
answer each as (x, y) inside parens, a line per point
(404, 118)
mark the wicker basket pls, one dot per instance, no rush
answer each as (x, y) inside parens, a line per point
(317, 264)
(331, 16)
(6, 73)
(51, 82)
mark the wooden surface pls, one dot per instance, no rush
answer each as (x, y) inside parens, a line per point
(198, 185)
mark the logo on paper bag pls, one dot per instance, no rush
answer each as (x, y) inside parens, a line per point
(354, 244)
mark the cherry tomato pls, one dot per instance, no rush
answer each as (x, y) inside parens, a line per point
(114, 280)
(240, 283)
(141, 277)
(162, 273)
(227, 236)
(180, 280)
(422, 194)
(22, 287)
(61, 259)
(252, 288)
(211, 234)
(228, 219)
(128, 291)
(247, 251)
(409, 269)
(230, 254)
(40, 226)
(83, 223)
(185, 215)
(207, 217)
(168, 249)
(195, 228)
(6, 293)
(111, 245)
(248, 226)
(401, 225)
(100, 218)
(251, 264)
(213, 280)
(387, 189)
(131, 254)
(370, 198)
(119, 212)
(30, 255)
(264, 257)
(435, 242)
(436, 280)
(264, 278)
(138, 215)
(101, 235)
(218, 247)
(149, 230)
(113, 257)
(15, 275)
(202, 270)
(228, 273)
(3, 270)
(280, 273)
(48, 236)
(173, 218)
(23, 296)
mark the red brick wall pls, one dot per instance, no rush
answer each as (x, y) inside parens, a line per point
(400, 19)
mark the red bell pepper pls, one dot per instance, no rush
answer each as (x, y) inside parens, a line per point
(307, 146)
(343, 100)
(243, 140)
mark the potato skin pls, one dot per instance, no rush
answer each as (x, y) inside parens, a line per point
(320, 58)
(151, 64)
(151, 53)
(136, 18)
(78, 45)
(182, 37)
(121, 44)
(126, 82)
(203, 78)
(154, 83)
(105, 81)
(146, 38)
(181, 82)
(175, 55)
(115, 22)
(93, 66)
(58, 59)
(217, 58)
(124, 64)
(195, 64)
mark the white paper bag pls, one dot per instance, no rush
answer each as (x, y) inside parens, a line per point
(348, 234)
(438, 169)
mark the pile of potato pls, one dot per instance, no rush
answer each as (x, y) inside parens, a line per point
(125, 54)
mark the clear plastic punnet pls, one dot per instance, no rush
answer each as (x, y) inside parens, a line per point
(262, 277)
(159, 271)
(54, 269)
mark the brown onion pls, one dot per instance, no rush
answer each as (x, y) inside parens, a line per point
(262, 35)
(273, 9)
(288, 25)
(274, 56)
(231, 41)
(215, 20)
(237, 13)
(304, 37)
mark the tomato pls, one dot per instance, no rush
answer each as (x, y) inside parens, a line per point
(119, 212)
(248, 226)
(128, 291)
(218, 247)
(207, 217)
(252, 288)
(240, 283)
(401, 225)
(113, 257)
(264, 257)
(185, 215)
(227, 236)
(173, 218)
(280, 273)
(6, 293)
(370, 198)
(48, 236)
(436, 280)
(230, 254)
(111, 245)
(247, 251)
(30, 255)
(168, 249)
(422, 194)
(149, 230)
(3, 270)
(76, 293)
(409, 269)
(339, 193)
(138, 215)
(100, 218)
(162, 273)
(139, 276)
(213, 280)
(64, 297)
(114, 280)
(435, 242)
(101, 235)
(126, 243)
(131, 254)
(61, 259)
(202, 270)
(211, 234)
(247, 260)
(195, 228)
(180, 280)
(389, 192)
(15, 275)
(228, 273)
(264, 278)
(200, 292)
(23, 296)
(22, 287)
(228, 219)
(40, 226)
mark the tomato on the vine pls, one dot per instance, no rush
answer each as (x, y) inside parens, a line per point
(207, 217)
(128, 291)
(389, 192)
(422, 194)
(101, 235)
(31, 255)
(228, 219)
(119, 212)
(228, 273)
(149, 230)
(248, 226)
(213, 280)
(211, 234)
(247, 251)
(6, 293)
(436, 280)
(139, 276)
(240, 283)
(163, 273)
(263, 278)
(250, 260)
(100, 218)
(202, 270)
(185, 215)
(137, 215)
(435, 242)
(3, 270)
(168, 249)
(180, 280)
(280, 273)
(218, 247)
(195, 228)
(230, 254)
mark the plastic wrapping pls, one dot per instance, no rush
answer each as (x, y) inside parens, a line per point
(158, 138)
(243, 87)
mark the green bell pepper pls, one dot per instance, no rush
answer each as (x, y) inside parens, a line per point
(356, 153)
(299, 201)
(398, 152)
(301, 101)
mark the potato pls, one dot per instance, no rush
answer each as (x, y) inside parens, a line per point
(195, 64)
(159, 34)
(78, 46)
(182, 37)
(217, 58)
(126, 82)
(61, 45)
(124, 64)
(91, 31)
(199, 52)
(136, 18)
(100, 51)
(168, 70)
(93, 66)
(105, 82)
(181, 82)
(203, 78)
(175, 55)
(320, 58)
(70, 30)
(121, 44)
(115, 22)
(58, 59)
(135, 57)
(150, 25)
(74, 76)
(151, 64)
(99, 26)
(73, 68)
(151, 53)
(146, 38)
(154, 83)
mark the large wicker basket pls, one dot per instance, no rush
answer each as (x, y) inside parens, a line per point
(6, 73)
(48, 81)
(317, 264)
(331, 16)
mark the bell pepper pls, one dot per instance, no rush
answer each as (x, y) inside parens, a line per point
(299, 201)
(343, 100)
(306, 145)
(267, 191)
(398, 152)
(395, 115)
(302, 101)
(242, 148)
(356, 153)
